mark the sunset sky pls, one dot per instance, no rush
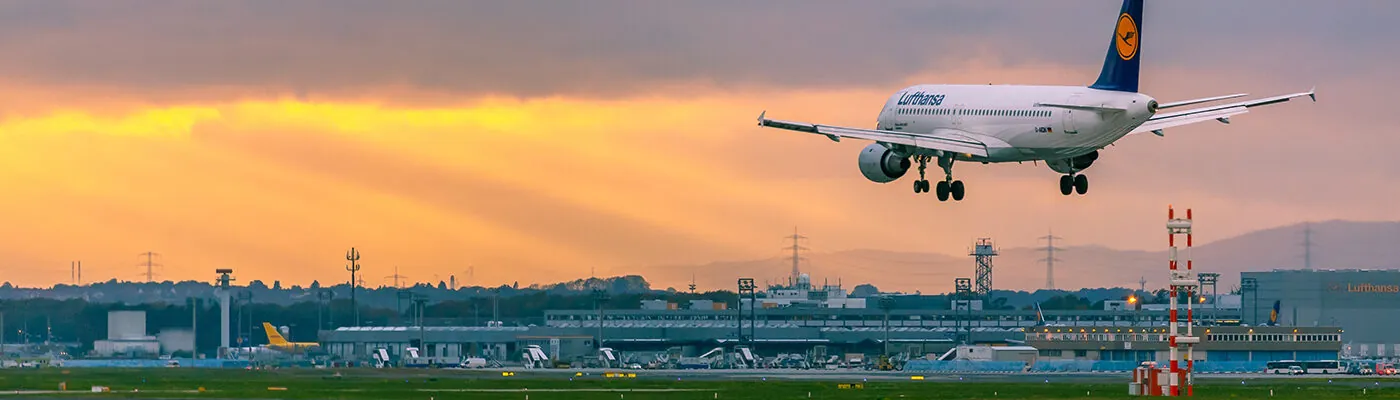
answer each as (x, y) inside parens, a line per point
(539, 140)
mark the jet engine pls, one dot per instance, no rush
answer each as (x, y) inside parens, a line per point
(1075, 164)
(880, 164)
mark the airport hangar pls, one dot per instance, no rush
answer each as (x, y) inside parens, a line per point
(1362, 302)
(1325, 314)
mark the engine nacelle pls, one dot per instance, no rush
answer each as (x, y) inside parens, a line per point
(1073, 165)
(881, 165)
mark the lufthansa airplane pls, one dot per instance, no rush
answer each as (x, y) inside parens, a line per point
(1064, 126)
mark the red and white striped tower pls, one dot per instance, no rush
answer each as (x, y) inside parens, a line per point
(1181, 281)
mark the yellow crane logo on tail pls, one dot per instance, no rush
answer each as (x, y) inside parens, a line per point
(1127, 37)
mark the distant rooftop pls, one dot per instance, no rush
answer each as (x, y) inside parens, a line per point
(430, 328)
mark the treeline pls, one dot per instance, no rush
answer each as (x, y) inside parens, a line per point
(36, 320)
(114, 291)
(79, 321)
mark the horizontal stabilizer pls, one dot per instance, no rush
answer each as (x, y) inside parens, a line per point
(1199, 101)
(1218, 112)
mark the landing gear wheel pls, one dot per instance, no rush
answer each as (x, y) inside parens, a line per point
(1081, 184)
(943, 190)
(921, 185)
(1066, 184)
(957, 190)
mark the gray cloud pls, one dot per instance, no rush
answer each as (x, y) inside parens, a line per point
(603, 48)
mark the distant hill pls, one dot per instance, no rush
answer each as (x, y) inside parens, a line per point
(1336, 245)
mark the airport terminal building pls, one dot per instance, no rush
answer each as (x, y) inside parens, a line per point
(1086, 335)
(1322, 315)
(1361, 302)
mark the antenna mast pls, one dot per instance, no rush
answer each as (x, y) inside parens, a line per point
(1307, 246)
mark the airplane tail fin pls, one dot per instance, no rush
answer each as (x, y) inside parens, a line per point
(273, 337)
(1120, 66)
(1273, 316)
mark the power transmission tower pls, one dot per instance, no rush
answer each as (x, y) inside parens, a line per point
(1142, 284)
(692, 283)
(796, 256)
(1307, 246)
(1050, 259)
(396, 277)
(150, 265)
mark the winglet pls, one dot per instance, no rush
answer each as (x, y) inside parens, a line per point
(760, 117)
(1312, 93)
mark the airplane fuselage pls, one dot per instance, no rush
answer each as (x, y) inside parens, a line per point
(1015, 118)
(1064, 126)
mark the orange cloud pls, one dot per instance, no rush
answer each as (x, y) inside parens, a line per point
(545, 189)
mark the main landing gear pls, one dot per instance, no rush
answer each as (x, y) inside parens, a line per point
(945, 188)
(1076, 183)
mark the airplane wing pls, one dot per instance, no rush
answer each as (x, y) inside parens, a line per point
(1221, 112)
(1098, 109)
(934, 141)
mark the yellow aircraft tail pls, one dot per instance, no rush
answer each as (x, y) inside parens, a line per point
(273, 337)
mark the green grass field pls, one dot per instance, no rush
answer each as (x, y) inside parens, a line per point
(438, 384)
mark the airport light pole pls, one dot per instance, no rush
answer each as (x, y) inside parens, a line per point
(325, 296)
(962, 287)
(194, 327)
(1252, 285)
(404, 294)
(600, 298)
(419, 303)
(746, 287)
(246, 299)
(887, 304)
